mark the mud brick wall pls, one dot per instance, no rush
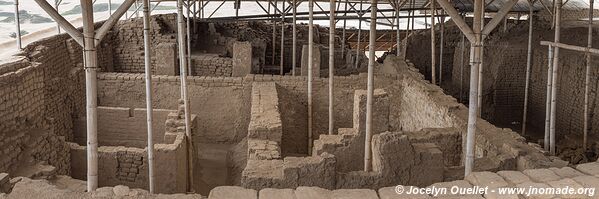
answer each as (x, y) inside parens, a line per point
(211, 65)
(118, 126)
(124, 165)
(221, 103)
(504, 79)
(39, 93)
(504, 73)
(128, 46)
(570, 89)
(503, 147)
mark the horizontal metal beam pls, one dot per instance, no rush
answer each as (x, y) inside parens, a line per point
(570, 47)
(315, 13)
(321, 18)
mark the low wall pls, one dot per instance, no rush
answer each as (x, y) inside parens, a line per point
(118, 126)
(125, 165)
(505, 149)
(211, 65)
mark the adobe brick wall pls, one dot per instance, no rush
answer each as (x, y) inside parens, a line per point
(40, 92)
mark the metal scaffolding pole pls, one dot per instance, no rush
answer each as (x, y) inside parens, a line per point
(188, 36)
(548, 97)
(343, 31)
(587, 78)
(359, 37)
(282, 38)
(17, 23)
(413, 14)
(441, 46)
(331, 63)
(90, 65)
(558, 5)
(479, 97)
(474, 75)
(136, 9)
(56, 4)
(433, 46)
(183, 68)
(294, 53)
(528, 65)
(462, 49)
(149, 109)
(408, 26)
(274, 33)
(370, 87)
(398, 33)
(310, 65)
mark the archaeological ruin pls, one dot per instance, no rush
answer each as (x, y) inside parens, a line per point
(496, 94)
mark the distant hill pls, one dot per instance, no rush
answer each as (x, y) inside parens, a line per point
(103, 7)
(24, 17)
(5, 3)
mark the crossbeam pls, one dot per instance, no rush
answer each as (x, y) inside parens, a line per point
(571, 47)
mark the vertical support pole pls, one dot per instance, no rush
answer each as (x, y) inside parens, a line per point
(441, 46)
(474, 75)
(195, 17)
(56, 4)
(343, 30)
(90, 63)
(136, 9)
(282, 38)
(587, 79)
(479, 97)
(462, 49)
(425, 20)
(558, 5)
(408, 25)
(183, 74)
(370, 87)
(294, 56)
(310, 65)
(188, 36)
(548, 98)
(274, 34)
(17, 23)
(359, 35)
(528, 66)
(331, 63)
(398, 33)
(109, 7)
(433, 46)
(148, 75)
(413, 14)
